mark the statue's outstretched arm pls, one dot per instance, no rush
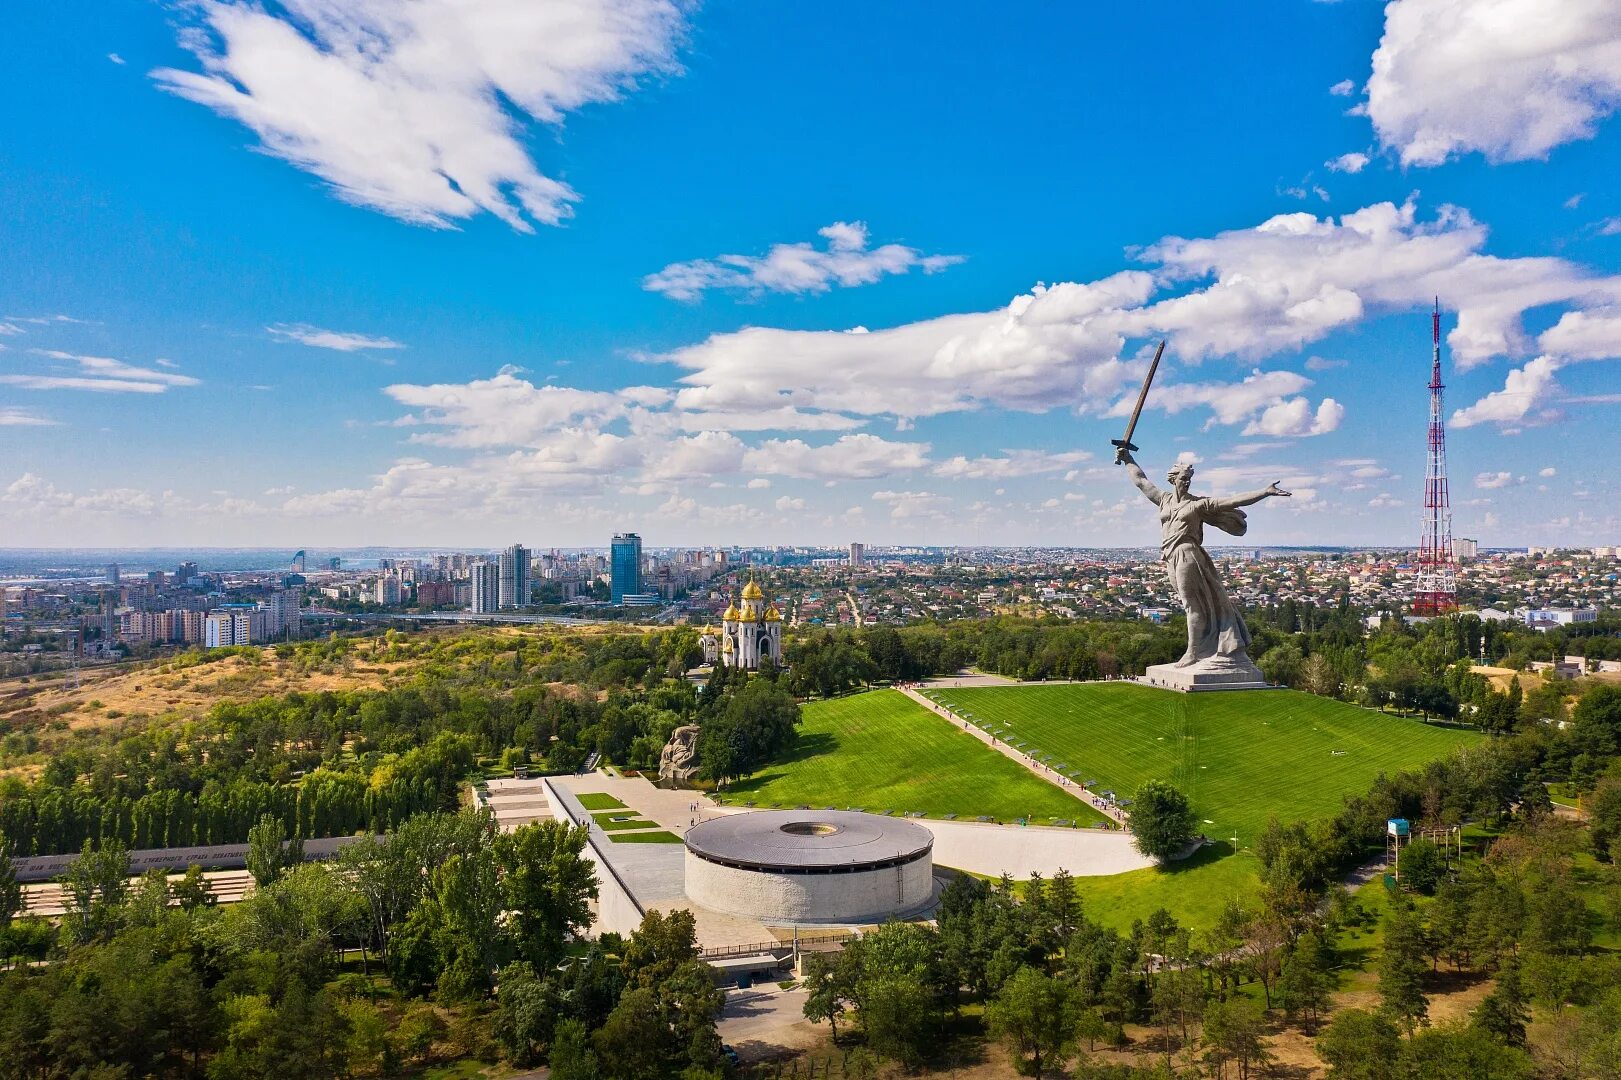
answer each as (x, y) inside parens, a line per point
(1140, 478)
(1233, 502)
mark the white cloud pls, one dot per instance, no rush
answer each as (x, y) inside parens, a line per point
(1353, 162)
(851, 457)
(337, 340)
(1232, 403)
(1511, 79)
(415, 108)
(506, 410)
(759, 483)
(1610, 227)
(15, 417)
(115, 58)
(1525, 391)
(1295, 417)
(1493, 480)
(1249, 292)
(913, 505)
(1012, 464)
(98, 386)
(1343, 88)
(1585, 335)
(1319, 363)
(797, 268)
(97, 374)
(9, 328)
(1548, 472)
(786, 504)
(1384, 501)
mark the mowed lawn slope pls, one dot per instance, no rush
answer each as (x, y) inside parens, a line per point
(1239, 755)
(882, 751)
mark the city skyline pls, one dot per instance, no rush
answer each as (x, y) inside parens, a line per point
(746, 275)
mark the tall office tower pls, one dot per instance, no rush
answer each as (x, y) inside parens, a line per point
(858, 552)
(297, 566)
(112, 573)
(514, 582)
(486, 587)
(626, 554)
(185, 572)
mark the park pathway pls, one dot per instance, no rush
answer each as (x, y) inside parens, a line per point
(1108, 810)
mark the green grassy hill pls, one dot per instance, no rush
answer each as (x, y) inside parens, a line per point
(1239, 756)
(882, 751)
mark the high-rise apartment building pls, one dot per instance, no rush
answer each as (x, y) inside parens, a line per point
(858, 554)
(626, 559)
(282, 615)
(513, 587)
(486, 587)
(112, 573)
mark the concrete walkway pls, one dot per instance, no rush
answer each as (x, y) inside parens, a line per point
(980, 848)
(1107, 809)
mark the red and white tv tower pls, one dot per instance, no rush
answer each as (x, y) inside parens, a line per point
(1436, 592)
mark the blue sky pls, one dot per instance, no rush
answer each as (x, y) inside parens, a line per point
(326, 272)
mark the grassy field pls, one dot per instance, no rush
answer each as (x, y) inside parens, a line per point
(1194, 890)
(881, 751)
(596, 800)
(1239, 756)
(658, 836)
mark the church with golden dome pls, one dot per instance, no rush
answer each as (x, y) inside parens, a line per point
(749, 632)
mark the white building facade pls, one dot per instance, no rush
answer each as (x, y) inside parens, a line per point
(750, 632)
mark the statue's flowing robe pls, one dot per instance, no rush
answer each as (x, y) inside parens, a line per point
(1219, 630)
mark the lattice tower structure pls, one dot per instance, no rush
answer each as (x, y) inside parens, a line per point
(1436, 587)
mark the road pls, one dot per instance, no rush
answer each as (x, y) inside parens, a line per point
(766, 1022)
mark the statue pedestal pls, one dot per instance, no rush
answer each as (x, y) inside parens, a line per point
(1215, 673)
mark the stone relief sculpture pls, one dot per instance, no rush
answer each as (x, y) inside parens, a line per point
(678, 764)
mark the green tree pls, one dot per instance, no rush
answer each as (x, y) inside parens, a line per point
(193, 891)
(95, 886)
(549, 887)
(826, 995)
(899, 1015)
(1423, 865)
(1034, 1014)
(1401, 969)
(572, 1057)
(268, 852)
(1162, 821)
(1232, 1032)
(1359, 1045)
(11, 891)
(1462, 1052)
(1603, 813)
(1505, 1011)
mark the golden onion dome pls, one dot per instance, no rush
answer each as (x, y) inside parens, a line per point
(751, 591)
(731, 614)
(772, 614)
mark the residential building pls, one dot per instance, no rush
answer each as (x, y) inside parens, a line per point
(486, 587)
(858, 554)
(513, 584)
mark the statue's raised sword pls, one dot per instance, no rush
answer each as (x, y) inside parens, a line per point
(1124, 443)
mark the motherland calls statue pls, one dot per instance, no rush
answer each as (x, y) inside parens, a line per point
(678, 764)
(1217, 656)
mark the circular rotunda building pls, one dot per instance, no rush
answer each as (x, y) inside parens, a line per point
(810, 867)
